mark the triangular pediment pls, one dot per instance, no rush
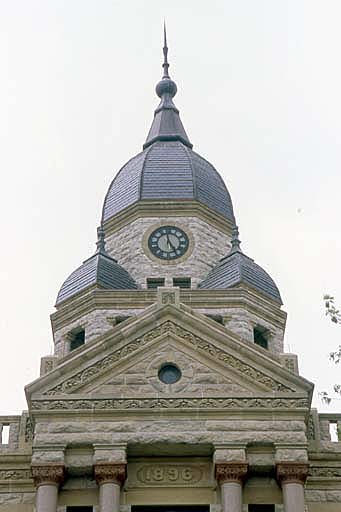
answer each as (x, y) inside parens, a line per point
(125, 361)
(141, 375)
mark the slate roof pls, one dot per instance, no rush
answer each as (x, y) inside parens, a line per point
(100, 269)
(168, 170)
(236, 268)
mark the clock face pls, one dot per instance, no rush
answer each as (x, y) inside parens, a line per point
(168, 242)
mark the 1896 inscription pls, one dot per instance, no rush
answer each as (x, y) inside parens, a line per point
(169, 474)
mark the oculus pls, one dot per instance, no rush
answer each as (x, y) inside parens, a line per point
(169, 373)
(168, 242)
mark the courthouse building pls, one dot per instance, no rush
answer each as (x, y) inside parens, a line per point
(169, 389)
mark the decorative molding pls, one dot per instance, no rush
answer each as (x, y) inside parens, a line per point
(15, 474)
(29, 430)
(170, 403)
(48, 474)
(231, 472)
(110, 473)
(325, 472)
(168, 327)
(311, 428)
(292, 472)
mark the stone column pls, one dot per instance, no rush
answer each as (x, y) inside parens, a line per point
(109, 477)
(230, 476)
(292, 476)
(47, 480)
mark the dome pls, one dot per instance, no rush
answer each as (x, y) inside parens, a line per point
(236, 268)
(168, 169)
(100, 269)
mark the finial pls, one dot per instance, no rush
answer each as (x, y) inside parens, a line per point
(100, 240)
(235, 242)
(165, 64)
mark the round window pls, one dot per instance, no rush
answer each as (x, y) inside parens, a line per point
(169, 373)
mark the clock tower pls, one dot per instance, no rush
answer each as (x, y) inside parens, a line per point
(169, 389)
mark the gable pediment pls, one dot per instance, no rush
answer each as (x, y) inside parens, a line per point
(215, 361)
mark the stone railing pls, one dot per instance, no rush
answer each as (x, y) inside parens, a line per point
(16, 433)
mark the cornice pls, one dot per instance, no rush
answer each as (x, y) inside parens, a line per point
(151, 208)
(171, 404)
(238, 297)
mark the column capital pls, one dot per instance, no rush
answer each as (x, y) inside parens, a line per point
(110, 473)
(48, 474)
(292, 472)
(230, 472)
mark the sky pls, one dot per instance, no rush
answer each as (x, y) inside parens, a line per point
(259, 86)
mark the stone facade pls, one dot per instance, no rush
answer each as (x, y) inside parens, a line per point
(207, 246)
(169, 399)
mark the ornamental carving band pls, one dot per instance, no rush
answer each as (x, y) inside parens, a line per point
(48, 474)
(231, 472)
(292, 472)
(110, 473)
(201, 345)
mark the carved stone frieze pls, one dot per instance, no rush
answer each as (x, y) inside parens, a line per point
(110, 473)
(201, 345)
(15, 474)
(172, 403)
(325, 472)
(230, 472)
(310, 429)
(48, 474)
(292, 472)
(29, 431)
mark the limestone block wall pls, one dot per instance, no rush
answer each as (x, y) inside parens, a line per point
(242, 322)
(128, 246)
(95, 324)
(170, 430)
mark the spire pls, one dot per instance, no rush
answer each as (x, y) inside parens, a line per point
(167, 124)
(165, 64)
(101, 244)
(235, 242)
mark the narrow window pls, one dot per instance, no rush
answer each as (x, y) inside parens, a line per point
(121, 318)
(217, 318)
(5, 434)
(77, 339)
(153, 283)
(334, 436)
(260, 337)
(182, 282)
(261, 508)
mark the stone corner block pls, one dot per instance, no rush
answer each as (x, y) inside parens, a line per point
(222, 455)
(112, 455)
(47, 363)
(168, 296)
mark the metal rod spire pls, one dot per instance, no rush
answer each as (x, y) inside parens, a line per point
(235, 242)
(165, 64)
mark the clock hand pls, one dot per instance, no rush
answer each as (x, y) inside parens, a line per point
(170, 243)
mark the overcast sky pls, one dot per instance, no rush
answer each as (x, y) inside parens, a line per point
(259, 86)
